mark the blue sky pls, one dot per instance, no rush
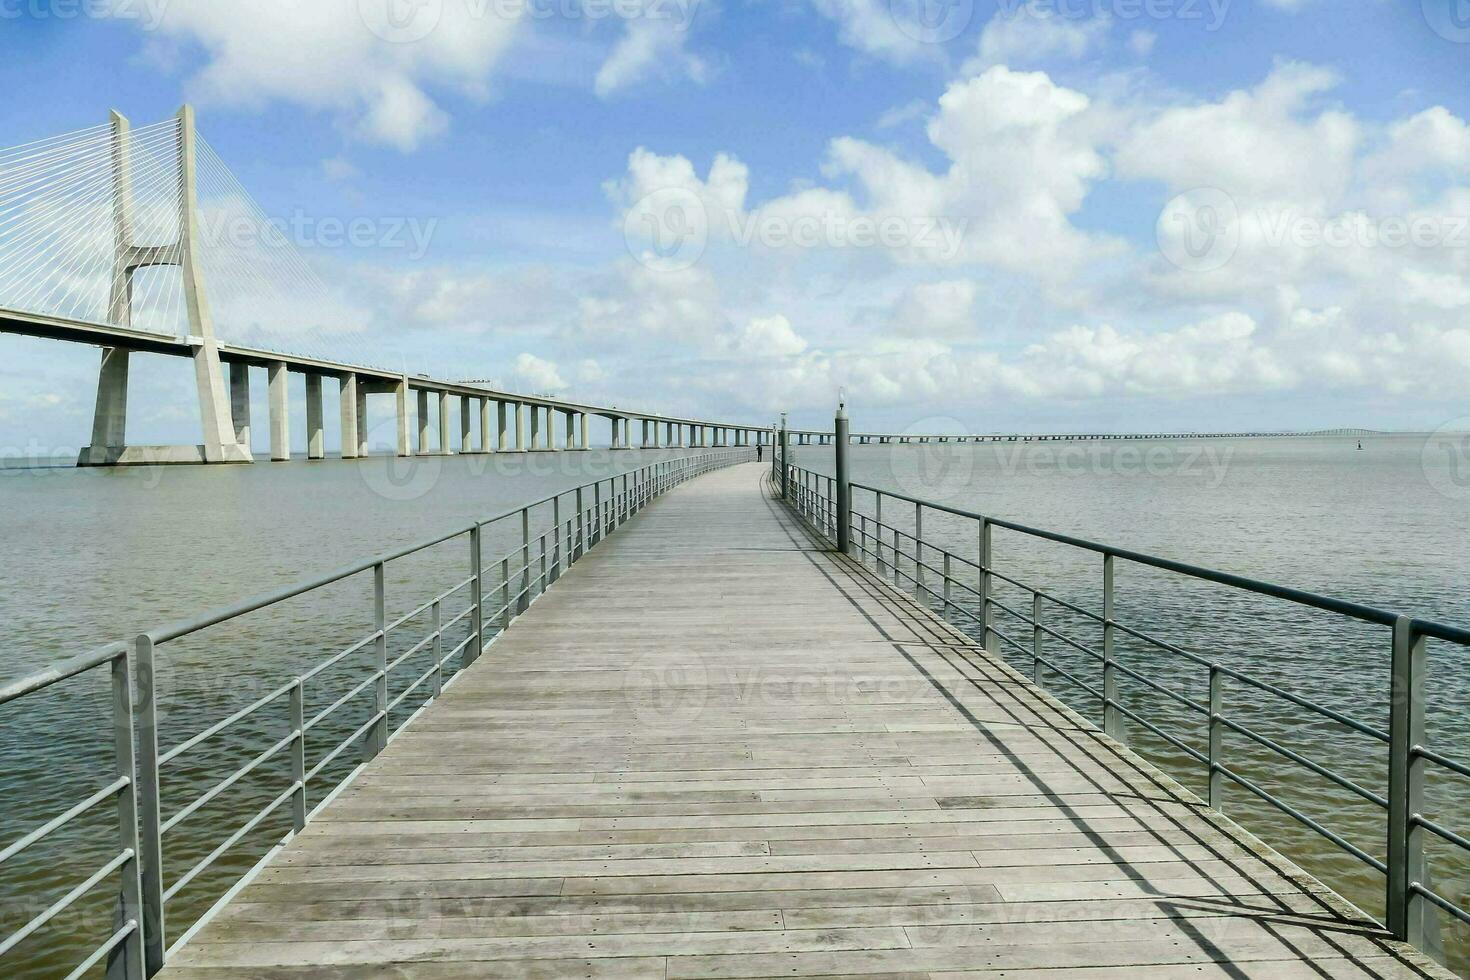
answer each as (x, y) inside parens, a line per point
(1064, 143)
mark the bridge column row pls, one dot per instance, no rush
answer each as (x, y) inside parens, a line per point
(518, 426)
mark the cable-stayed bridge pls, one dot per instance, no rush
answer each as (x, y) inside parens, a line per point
(143, 241)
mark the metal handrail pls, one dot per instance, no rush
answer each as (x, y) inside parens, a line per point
(1409, 901)
(140, 945)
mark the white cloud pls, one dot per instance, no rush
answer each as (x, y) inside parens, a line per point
(324, 56)
(1033, 33)
(770, 336)
(1141, 42)
(937, 309)
(1262, 145)
(539, 374)
(869, 26)
(650, 47)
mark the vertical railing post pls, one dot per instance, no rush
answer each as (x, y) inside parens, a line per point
(1036, 635)
(878, 522)
(988, 639)
(477, 618)
(947, 580)
(596, 520)
(785, 460)
(1408, 912)
(523, 601)
(298, 756)
(556, 535)
(919, 554)
(379, 738)
(1112, 717)
(580, 543)
(437, 624)
(150, 843)
(843, 491)
(542, 579)
(505, 610)
(1217, 738)
(126, 962)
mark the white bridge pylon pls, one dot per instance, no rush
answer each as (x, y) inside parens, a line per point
(109, 427)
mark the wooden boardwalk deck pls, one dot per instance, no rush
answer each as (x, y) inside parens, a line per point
(715, 750)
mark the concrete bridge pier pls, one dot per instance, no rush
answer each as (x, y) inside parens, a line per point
(584, 427)
(240, 402)
(280, 408)
(422, 397)
(347, 409)
(485, 430)
(315, 440)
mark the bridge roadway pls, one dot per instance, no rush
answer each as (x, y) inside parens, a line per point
(716, 750)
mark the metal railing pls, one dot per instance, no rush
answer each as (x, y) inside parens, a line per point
(481, 605)
(965, 586)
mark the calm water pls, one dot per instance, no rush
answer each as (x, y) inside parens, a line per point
(96, 555)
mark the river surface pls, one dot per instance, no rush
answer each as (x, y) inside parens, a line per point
(99, 555)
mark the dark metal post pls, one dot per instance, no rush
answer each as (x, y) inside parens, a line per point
(785, 460)
(477, 622)
(150, 821)
(843, 491)
(1407, 912)
(126, 960)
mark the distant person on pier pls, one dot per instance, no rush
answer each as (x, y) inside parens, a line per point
(760, 452)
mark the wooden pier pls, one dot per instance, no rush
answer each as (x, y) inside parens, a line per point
(717, 749)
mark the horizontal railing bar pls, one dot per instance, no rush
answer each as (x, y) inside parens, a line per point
(337, 657)
(65, 902)
(1071, 677)
(225, 784)
(1441, 831)
(62, 671)
(1302, 818)
(322, 715)
(128, 928)
(1300, 596)
(220, 726)
(1173, 740)
(327, 759)
(1439, 760)
(1058, 601)
(1167, 692)
(57, 822)
(1439, 901)
(426, 606)
(1296, 699)
(1302, 760)
(229, 842)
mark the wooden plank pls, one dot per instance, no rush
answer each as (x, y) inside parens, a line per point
(717, 750)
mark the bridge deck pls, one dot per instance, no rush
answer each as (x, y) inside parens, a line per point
(714, 750)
